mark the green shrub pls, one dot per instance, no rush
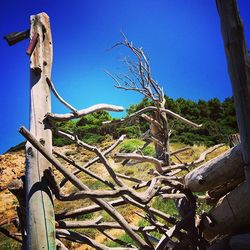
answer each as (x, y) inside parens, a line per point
(124, 238)
(149, 150)
(130, 145)
(166, 206)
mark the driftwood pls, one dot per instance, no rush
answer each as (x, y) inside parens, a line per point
(75, 181)
(82, 112)
(217, 171)
(230, 214)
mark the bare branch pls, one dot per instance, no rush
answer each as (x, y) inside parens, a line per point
(152, 108)
(81, 169)
(89, 163)
(130, 178)
(134, 156)
(80, 238)
(180, 150)
(93, 149)
(115, 203)
(53, 89)
(83, 112)
(106, 206)
(151, 120)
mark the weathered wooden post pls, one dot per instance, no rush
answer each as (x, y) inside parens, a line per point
(239, 72)
(40, 210)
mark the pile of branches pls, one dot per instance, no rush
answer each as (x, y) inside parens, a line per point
(177, 232)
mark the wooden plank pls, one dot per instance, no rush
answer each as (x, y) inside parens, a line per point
(40, 211)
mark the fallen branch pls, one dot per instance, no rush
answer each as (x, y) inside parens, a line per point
(89, 163)
(143, 158)
(80, 238)
(74, 180)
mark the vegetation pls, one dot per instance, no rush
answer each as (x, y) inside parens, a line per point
(218, 119)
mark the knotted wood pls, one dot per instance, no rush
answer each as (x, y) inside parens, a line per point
(40, 211)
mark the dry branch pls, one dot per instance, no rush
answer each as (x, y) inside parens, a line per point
(152, 108)
(74, 180)
(81, 169)
(80, 238)
(89, 163)
(52, 87)
(180, 150)
(83, 112)
(115, 203)
(143, 158)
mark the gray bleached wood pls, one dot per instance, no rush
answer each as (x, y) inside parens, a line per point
(74, 180)
(239, 71)
(217, 171)
(152, 108)
(230, 214)
(40, 210)
(83, 112)
(53, 89)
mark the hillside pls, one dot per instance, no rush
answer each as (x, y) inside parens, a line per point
(218, 119)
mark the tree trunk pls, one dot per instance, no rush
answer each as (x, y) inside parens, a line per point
(162, 135)
(40, 210)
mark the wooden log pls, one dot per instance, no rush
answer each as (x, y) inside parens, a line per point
(216, 193)
(238, 67)
(230, 215)
(40, 210)
(217, 171)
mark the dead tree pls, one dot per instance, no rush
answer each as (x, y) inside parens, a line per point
(140, 79)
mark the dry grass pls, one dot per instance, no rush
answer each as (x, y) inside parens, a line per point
(15, 161)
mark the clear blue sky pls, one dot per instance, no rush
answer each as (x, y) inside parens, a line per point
(182, 39)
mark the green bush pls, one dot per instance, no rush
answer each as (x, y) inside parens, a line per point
(149, 150)
(130, 145)
(124, 238)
